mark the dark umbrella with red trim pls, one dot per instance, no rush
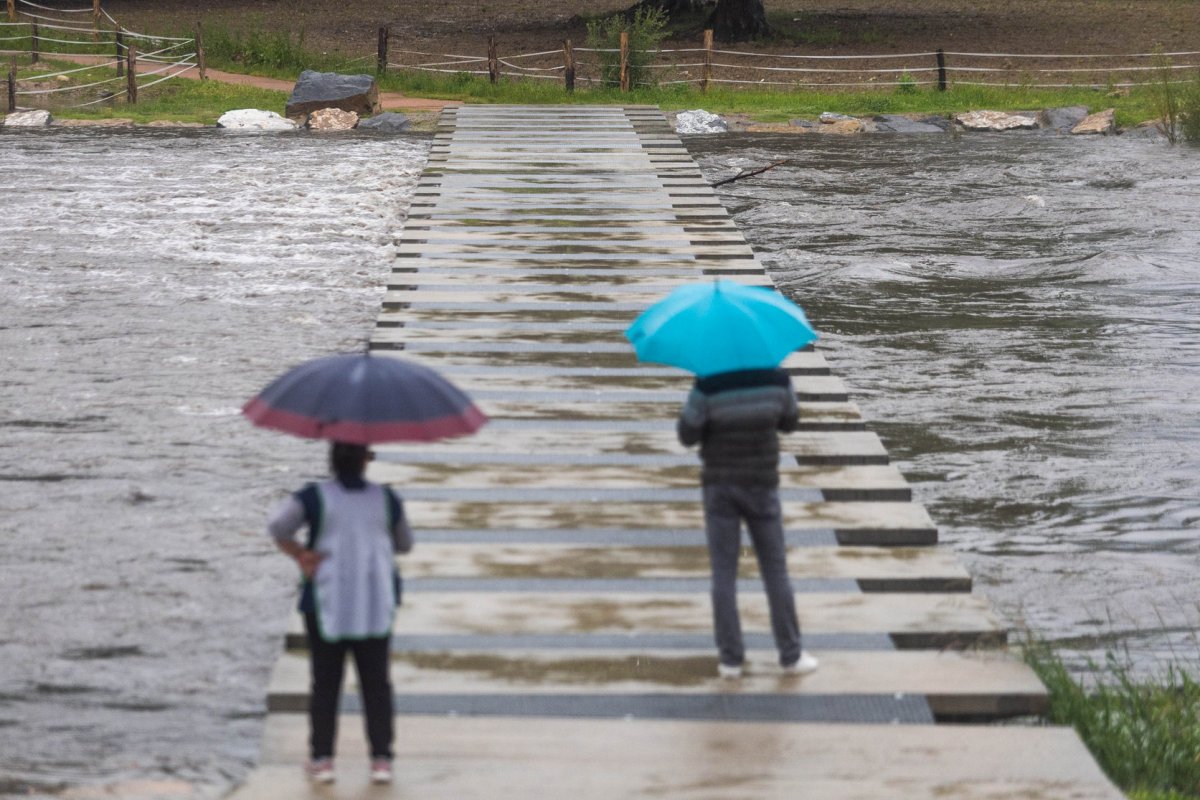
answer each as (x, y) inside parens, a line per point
(364, 399)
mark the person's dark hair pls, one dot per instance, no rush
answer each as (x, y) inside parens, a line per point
(348, 460)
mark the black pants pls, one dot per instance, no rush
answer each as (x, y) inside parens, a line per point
(328, 659)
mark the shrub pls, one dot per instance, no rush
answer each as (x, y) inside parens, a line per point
(647, 28)
(1145, 733)
(907, 84)
(1165, 96)
(1189, 112)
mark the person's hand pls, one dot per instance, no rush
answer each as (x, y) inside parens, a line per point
(308, 561)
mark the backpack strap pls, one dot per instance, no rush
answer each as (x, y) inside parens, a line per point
(310, 498)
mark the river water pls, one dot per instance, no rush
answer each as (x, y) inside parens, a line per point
(1018, 317)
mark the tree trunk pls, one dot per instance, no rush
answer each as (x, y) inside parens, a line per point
(738, 20)
(674, 7)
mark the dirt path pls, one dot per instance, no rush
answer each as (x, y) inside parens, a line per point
(391, 101)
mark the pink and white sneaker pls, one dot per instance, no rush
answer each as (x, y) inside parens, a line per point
(381, 770)
(320, 770)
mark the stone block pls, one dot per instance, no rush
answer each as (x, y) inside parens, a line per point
(317, 90)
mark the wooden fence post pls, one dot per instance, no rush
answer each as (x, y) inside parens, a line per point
(34, 43)
(119, 38)
(12, 10)
(131, 76)
(624, 61)
(568, 66)
(95, 20)
(201, 58)
(493, 59)
(381, 59)
(708, 45)
(12, 87)
(941, 64)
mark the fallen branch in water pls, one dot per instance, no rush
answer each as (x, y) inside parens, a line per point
(749, 173)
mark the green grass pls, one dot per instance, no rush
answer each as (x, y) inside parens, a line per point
(181, 100)
(774, 105)
(1145, 734)
(284, 55)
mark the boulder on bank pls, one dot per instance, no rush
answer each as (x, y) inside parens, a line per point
(699, 121)
(1062, 119)
(317, 90)
(332, 119)
(387, 122)
(1102, 122)
(252, 119)
(37, 118)
(995, 121)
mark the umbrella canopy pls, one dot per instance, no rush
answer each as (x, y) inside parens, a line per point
(364, 399)
(720, 327)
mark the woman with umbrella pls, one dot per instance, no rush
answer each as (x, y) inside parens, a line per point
(354, 527)
(348, 597)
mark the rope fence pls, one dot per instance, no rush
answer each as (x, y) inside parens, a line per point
(706, 65)
(117, 63)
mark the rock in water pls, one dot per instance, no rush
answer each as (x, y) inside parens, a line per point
(387, 122)
(895, 123)
(699, 121)
(252, 119)
(1062, 119)
(1102, 122)
(38, 118)
(332, 119)
(317, 90)
(994, 121)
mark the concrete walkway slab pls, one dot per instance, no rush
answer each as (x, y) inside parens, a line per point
(515, 757)
(957, 685)
(911, 620)
(900, 566)
(878, 482)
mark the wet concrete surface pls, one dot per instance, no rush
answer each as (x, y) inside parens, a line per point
(1030, 364)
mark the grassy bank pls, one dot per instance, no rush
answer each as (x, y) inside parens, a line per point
(1145, 733)
(285, 56)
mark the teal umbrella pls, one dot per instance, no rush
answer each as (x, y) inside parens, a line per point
(707, 328)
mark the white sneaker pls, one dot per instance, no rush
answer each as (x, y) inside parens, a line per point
(730, 672)
(802, 666)
(320, 770)
(381, 770)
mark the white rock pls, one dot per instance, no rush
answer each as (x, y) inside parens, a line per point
(252, 119)
(699, 121)
(994, 121)
(332, 119)
(37, 118)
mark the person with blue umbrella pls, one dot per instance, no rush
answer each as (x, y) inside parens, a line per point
(733, 337)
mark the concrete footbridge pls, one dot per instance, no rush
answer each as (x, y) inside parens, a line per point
(555, 639)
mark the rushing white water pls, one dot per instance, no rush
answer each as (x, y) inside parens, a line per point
(1018, 316)
(152, 282)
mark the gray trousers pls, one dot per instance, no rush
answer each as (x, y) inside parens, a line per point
(725, 506)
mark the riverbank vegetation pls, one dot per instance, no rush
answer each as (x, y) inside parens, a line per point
(1144, 732)
(282, 54)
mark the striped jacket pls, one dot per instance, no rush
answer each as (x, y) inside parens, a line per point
(736, 418)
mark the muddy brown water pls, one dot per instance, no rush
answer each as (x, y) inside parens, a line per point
(1017, 317)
